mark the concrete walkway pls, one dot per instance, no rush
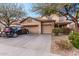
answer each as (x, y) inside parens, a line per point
(26, 45)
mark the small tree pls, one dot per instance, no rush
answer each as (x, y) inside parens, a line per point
(9, 12)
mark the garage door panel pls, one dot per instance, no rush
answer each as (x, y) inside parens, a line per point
(33, 29)
(47, 29)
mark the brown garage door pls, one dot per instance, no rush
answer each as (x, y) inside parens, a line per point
(47, 29)
(33, 28)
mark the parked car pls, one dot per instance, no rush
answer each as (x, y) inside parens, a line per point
(25, 31)
(0, 34)
(10, 32)
(21, 30)
(14, 31)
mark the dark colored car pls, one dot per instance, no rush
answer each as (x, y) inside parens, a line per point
(20, 30)
(24, 31)
(15, 31)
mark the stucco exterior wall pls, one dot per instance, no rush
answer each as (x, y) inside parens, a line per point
(2, 27)
(58, 18)
(55, 17)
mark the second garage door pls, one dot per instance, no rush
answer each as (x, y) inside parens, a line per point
(47, 29)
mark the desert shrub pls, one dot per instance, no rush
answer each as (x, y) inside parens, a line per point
(64, 44)
(74, 39)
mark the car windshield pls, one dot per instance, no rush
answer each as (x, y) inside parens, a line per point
(14, 27)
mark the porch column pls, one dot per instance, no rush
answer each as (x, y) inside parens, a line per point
(53, 25)
(40, 28)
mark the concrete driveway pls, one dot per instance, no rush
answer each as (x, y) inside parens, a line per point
(26, 45)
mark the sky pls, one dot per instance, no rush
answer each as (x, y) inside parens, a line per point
(28, 8)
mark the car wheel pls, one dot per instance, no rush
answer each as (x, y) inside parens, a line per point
(28, 32)
(15, 35)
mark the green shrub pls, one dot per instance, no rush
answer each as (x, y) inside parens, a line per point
(74, 39)
(66, 31)
(56, 31)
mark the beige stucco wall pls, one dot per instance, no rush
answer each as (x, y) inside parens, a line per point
(71, 25)
(43, 18)
(55, 17)
(2, 27)
(58, 18)
(27, 22)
